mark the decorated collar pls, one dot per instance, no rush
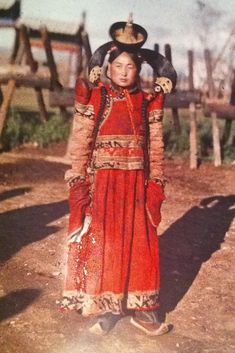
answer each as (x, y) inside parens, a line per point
(119, 91)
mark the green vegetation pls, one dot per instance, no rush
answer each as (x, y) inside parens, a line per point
(179, 144)
(24, 127)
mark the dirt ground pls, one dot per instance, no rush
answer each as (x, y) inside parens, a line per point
(197, 241)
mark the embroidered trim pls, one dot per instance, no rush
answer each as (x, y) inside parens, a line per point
(109, 302)
(155, 115)
(156, 145)
(124, 165)
(75, 180)
(118, 152)
(120, 141)
(86, 111)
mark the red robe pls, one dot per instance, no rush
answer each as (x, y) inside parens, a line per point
(114, 265)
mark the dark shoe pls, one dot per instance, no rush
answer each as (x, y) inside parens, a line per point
(104, 324)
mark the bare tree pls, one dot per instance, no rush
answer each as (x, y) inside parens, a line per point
(215, 34)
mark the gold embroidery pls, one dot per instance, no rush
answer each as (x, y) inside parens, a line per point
(156, 145)
(108, 301)
(118, 152)
(121, 141)
(86, 111)
(155, 115)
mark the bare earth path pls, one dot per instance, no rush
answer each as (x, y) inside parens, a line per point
(197, 240)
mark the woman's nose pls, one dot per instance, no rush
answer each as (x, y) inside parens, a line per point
(124, 71)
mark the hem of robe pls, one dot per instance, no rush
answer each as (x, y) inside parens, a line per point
(98, 304)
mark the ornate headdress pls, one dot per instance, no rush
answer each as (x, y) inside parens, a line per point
(130, 37)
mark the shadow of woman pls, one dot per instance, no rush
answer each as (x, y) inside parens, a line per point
(189, 242)
(15, 302)
(23, 226)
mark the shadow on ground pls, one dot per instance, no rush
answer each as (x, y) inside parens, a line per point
(13, 193)
(23, 226)
(189, 242)
(29, 170)
(15, 302)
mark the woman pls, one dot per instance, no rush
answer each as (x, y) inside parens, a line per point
(116, 190)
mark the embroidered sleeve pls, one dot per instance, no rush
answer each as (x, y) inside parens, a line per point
(80, 141)
(156, 144)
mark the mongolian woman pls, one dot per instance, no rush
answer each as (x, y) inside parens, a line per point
(117, 186)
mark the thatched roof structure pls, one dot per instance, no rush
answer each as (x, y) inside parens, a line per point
(61, 31)
(9, 9)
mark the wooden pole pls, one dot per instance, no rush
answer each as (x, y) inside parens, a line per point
(190, 69)
(10, 88)
(50, 58)
(41, 104)
(228, 123)
(193, 137)
(6, 102)
(193, 116)
(215, 126)
(210, 81)
(79, 61)
(16, 46)
(216, 140)
(175, 114)
(1, 96)
(28, 52)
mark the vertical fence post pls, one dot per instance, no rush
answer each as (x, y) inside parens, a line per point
(193, 116)
(193, 136)
(215, 126)
(175, 113)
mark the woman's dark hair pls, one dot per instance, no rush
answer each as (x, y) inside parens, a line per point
(133, 55)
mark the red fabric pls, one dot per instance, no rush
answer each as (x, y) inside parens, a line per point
(157, 102)
(120, 252)
(79, 199)
(119, 122)
(82, 92)
(154, 198)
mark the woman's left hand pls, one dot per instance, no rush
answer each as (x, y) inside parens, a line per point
(154, 198)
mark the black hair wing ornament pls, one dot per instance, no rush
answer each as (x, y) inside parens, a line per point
(162, 68)
(97, 60)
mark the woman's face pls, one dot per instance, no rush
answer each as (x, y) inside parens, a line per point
(123, 71)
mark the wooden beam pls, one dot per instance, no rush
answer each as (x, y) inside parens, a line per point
(64, 98)
(223, 111)
(182, 99)
(29, 80)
